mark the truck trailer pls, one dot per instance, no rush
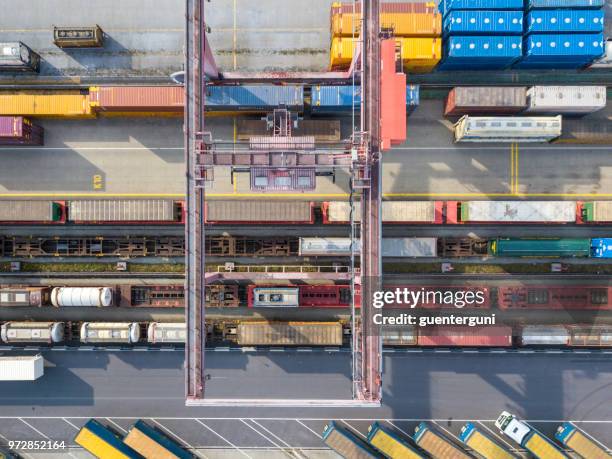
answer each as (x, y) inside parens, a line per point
(482, 444)
(571, 436)
(21, 368)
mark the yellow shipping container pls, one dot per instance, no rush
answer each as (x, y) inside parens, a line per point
(419, 55)
(403, 24)
(45, 104)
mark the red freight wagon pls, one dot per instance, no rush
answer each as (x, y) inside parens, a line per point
(303, 296)
(17, 130)
(137, 98)
(555, 297)
(487, 336)
(259, 212)
(441, 297)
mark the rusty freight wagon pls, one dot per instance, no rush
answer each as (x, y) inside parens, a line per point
(128, 211)
(78, 37)
(259, 212)
(137, 100)
(289, 334)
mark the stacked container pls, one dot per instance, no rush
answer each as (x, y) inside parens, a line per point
(481, 34)
(562, 34)
(417, 26)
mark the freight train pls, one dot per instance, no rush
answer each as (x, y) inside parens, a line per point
(168, 211)
(332, 296)
(264, 333)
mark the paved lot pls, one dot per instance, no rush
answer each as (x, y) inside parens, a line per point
(144, 157)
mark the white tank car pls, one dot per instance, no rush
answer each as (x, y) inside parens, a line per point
(110, 332)
(158, 332)
(32, 332)
(82, 296)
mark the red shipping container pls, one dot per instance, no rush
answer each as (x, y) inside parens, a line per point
(138, 98)
(17, 130)
(497, 336)
(392, 90)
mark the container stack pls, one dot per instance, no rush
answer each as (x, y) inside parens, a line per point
(481, 34)
(417, 26)
(562, 34)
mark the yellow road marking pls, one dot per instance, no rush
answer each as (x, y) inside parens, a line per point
(516, 168)
(97, 182)
(511, 178)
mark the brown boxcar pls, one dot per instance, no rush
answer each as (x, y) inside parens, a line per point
(485, 100)
(137, 98)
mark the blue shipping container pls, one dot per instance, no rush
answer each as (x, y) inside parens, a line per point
(483, 23)
(566, 47)
(339, 99)
(470, 53)
(601, 248)
(565, 21)
(253, 97)
(447, 6)
(565, 4)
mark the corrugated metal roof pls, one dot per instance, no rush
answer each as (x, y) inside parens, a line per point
(102, 210)
(565, 21)
(259, 211)
(290, 334)
(519, 211)
(26, 211)
(483, 23)
(566, 99)
(392, 211)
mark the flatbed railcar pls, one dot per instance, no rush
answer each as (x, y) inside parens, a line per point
(393, 212)
(126, 211)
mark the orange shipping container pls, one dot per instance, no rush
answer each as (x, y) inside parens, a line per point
(403, 24)
(138, 98)
(45, 104)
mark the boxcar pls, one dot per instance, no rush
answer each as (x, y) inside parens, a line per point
(555, 297)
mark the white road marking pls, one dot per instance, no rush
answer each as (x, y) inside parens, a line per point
(34, 429)
(496, 435)
(116, 425)
(174, 435)
(448, 432)
(262, 435)
(275, 436)
(352, 429)
(70, 423)
(223, 438)
(399, 430)
(304, 425)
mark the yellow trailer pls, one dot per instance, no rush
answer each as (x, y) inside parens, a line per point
(102, 443)
(436, 445)
(390, 444)
(570, 435)
(70, 104)
(482, 444)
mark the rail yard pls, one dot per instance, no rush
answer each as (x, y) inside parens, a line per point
(370, 229)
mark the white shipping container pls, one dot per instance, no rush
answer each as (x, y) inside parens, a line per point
(276, 297)
(158, 332)
(390, 247)
(519, 211)
(22, 368)
(604, 62)
(566, 99)
(536, 335)
(507, 129)
(392, 211)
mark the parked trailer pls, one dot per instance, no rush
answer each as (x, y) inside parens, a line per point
(391, 444)
(595, 211)
(347, 444)
(400, 212)
(151, 444)
(527, 437)
(475, 439)
(110, 332)
(566, 100)
(82, 296)
(289, 334)
(486, 100)
(552, 297)
(571, 436)
(21, 368)
(25, 296)
(435, 444)
(540, 247)
(507, 129)
(40, 103)
(137, 99)
(31, 211)
(78, 37)
(103, 443)
(17, 130)
(511, 212)
(544, 335)
(414, 247)
(486, 336)
(259, 212)
(32, 332)
(158, 332)
(18, 57)
(150, 211)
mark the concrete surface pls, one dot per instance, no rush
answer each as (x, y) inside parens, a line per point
(144, 157)
(446, 389)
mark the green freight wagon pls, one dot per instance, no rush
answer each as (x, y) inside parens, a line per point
(540, 247)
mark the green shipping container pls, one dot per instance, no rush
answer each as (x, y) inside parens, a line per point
(540, 247)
